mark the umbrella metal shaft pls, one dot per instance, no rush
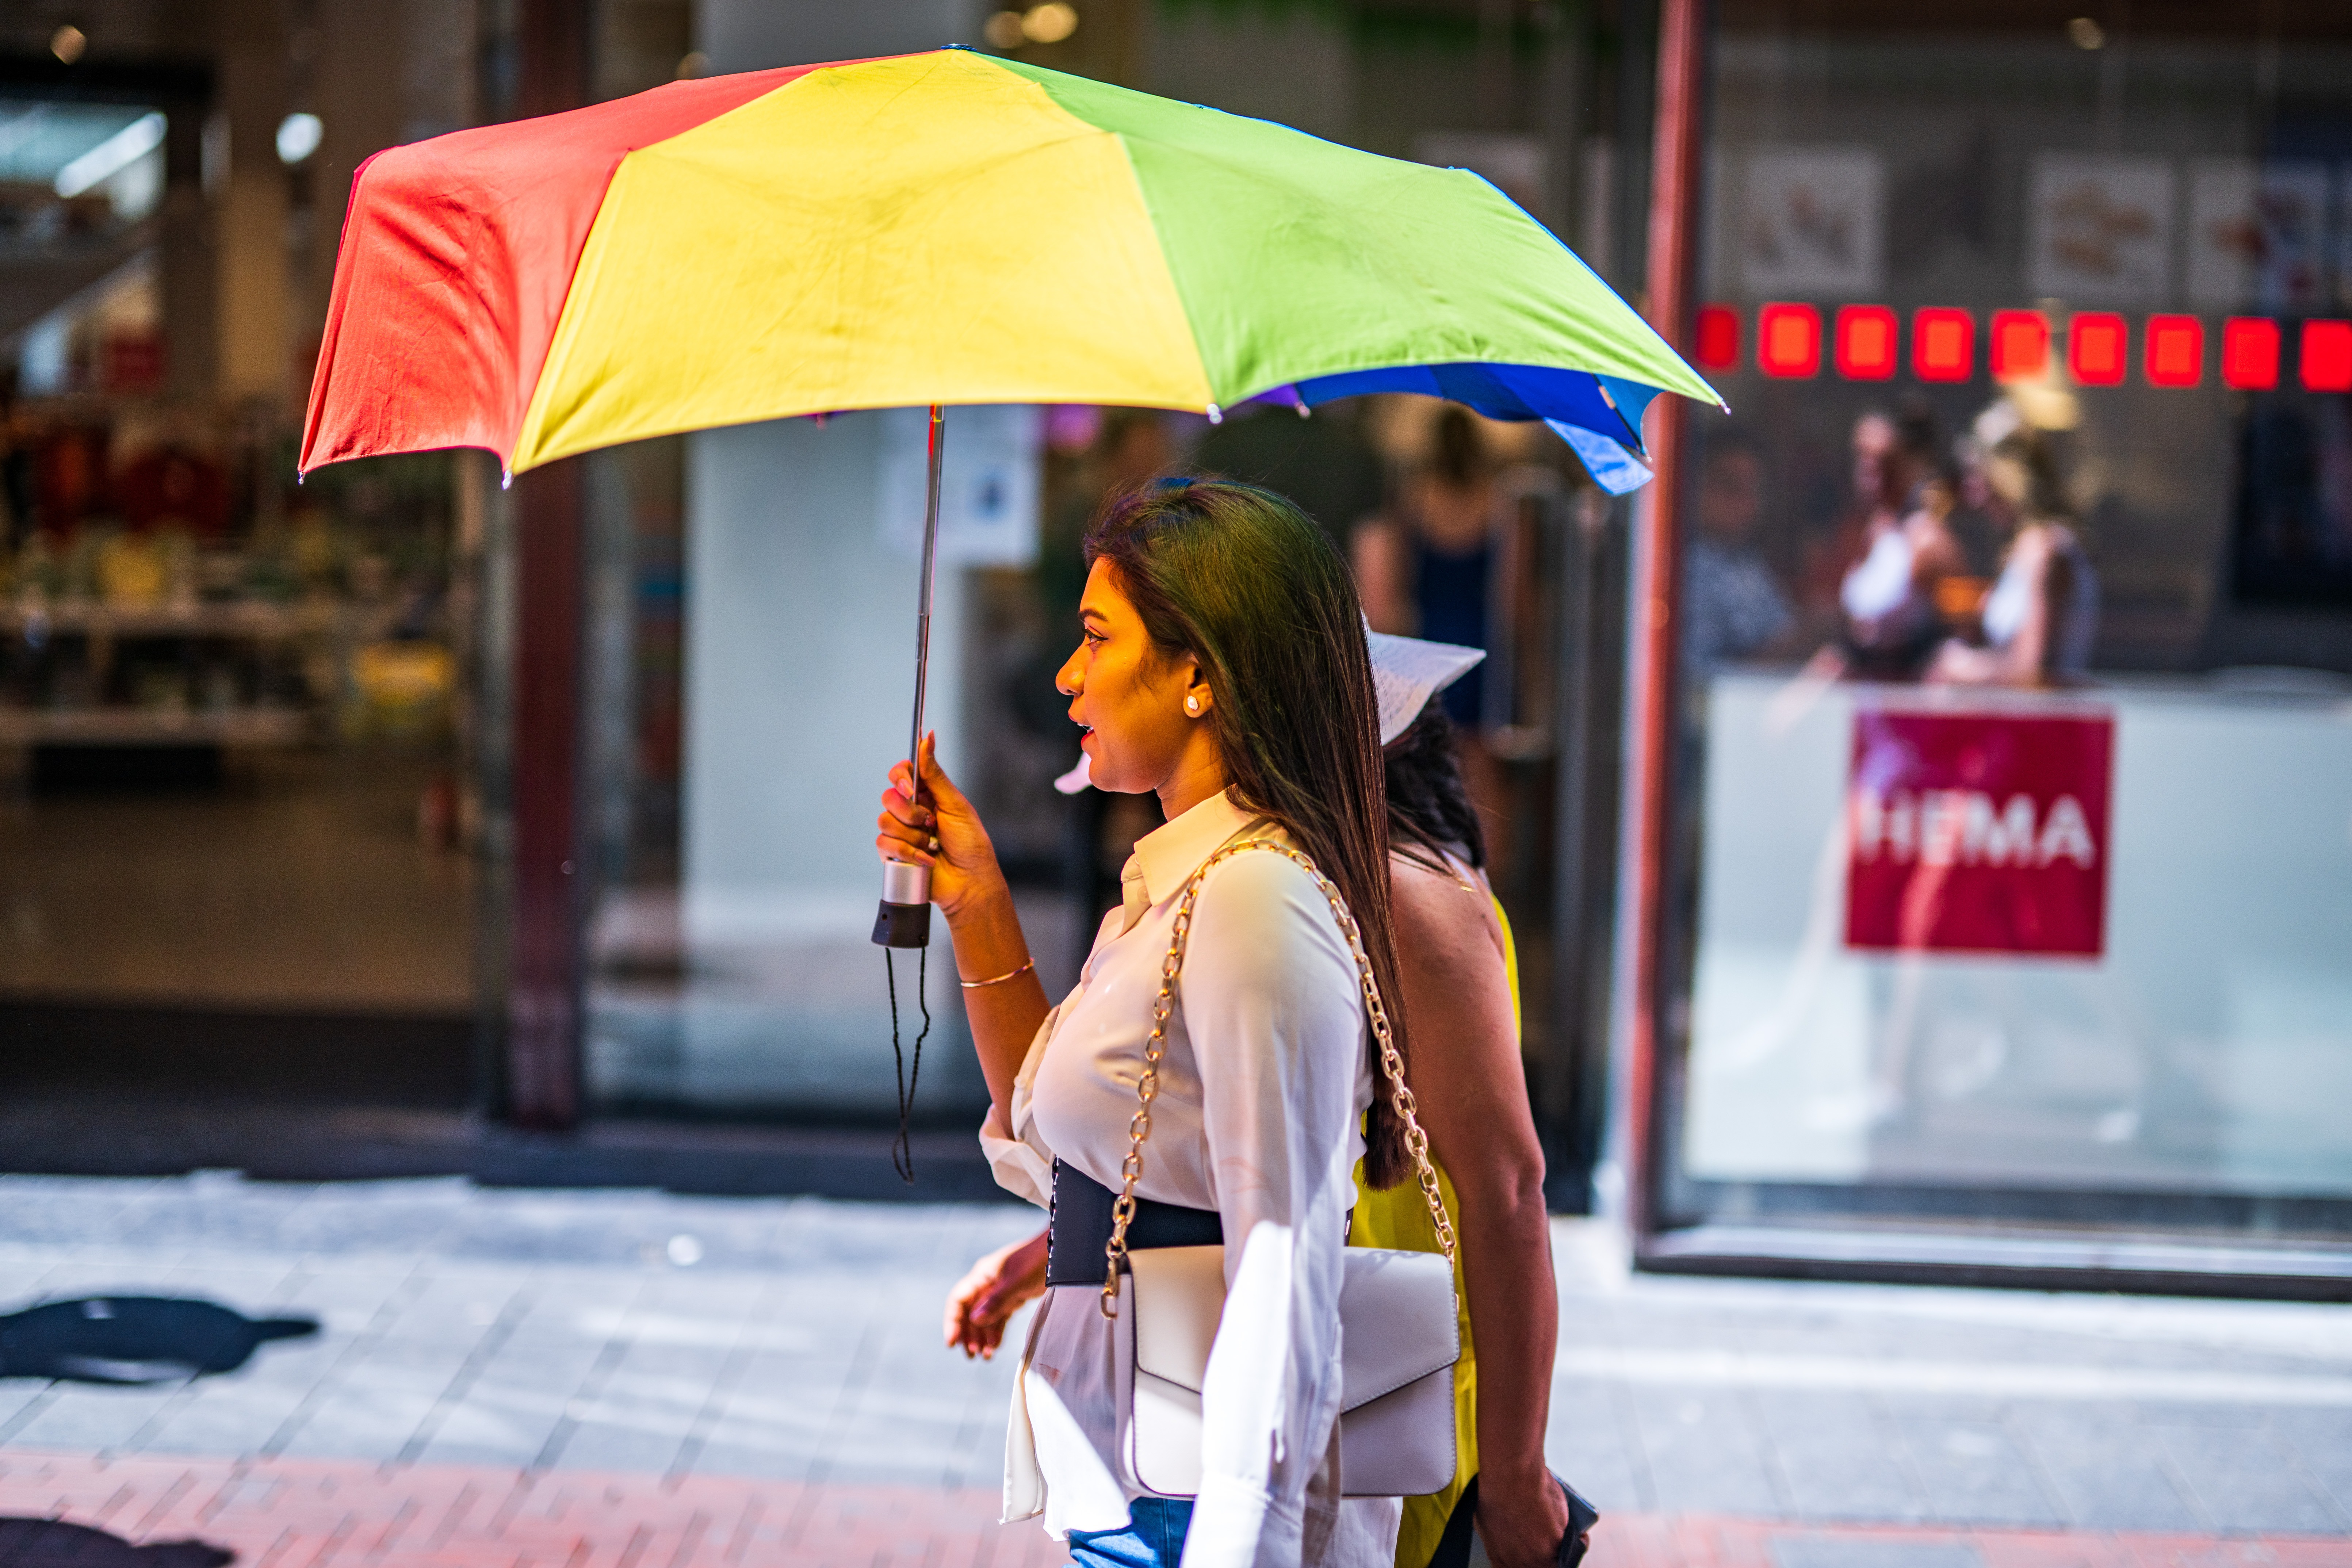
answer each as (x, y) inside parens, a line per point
(905, 917)
(923, 597)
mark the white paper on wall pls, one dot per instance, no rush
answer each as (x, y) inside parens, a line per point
(2257, 235)
(2099, 228)
(988, 490)
(1812, 221)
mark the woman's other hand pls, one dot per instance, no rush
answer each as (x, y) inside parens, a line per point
(984, 1300)
(1521, 1520)
(938, 829)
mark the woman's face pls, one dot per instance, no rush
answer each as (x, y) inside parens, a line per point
(1126, 696)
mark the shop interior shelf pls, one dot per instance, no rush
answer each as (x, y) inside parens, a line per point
(246, 618)
(254, 726)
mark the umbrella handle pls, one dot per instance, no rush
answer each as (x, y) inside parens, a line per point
(904, 916)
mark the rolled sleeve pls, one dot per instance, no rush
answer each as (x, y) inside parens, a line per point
(1270, 1000)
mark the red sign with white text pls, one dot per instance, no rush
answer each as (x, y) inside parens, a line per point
(1979, 832)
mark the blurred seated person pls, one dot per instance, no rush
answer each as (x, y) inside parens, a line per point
(1889, 598)
(1733, 606)
(2036, 626)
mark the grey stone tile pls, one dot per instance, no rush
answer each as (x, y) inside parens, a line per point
(1973, 1471)
(1703, 1454)
(1835, 1459)
(607, 1446)
(1585, 1441)
(89, 1418)
(2320, 1444)
(2245, 1481)
(2108, 1470)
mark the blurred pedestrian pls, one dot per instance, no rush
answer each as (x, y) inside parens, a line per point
(1424, 571)
(1733, 605)
(1892, 619)
(2036, 626)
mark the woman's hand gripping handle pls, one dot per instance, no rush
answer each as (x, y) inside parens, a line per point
(936, 826)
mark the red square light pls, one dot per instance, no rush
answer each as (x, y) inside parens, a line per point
(2098, 348)
(2175, 350)
(1716, 341)
(2250, 354)
(2327, 356)
(1865, 343)
(1789, 341)
(1943, 344)
(2021, 345)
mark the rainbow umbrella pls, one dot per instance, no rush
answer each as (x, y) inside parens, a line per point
(932, 229)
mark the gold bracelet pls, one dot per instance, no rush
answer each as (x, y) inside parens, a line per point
(997, 979)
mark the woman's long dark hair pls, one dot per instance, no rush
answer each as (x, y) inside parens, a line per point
(1430, 814)
(1240, 579)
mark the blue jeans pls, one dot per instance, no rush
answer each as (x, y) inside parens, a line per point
(1154, 1537)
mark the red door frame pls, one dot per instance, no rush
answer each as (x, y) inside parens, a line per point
(546, 947)
(1674, 185)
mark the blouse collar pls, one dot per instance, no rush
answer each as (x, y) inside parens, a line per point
(1167, 857)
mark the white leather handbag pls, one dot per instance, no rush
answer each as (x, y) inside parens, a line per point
(1400, 1336)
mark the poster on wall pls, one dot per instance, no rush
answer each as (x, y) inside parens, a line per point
(2099, 228)
(2257, 235)
(1979, 832)
(1813, 221)
(989, 495)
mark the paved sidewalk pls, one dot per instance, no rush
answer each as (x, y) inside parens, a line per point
(633, 1380)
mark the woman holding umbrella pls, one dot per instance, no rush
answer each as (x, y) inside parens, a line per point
(1224, 667)
(1455, 950)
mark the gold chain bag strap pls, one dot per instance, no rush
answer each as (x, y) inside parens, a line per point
(1400, 1335)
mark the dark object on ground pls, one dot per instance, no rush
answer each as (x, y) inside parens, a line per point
(133, 1339)
(53, 1543)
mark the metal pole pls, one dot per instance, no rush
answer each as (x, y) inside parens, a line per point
(1657, 594)
(904, 916)
(923, 597)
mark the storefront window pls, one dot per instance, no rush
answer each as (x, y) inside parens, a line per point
(2016, 791)
(235, 789)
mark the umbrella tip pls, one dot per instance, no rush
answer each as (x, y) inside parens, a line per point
(1216, 414)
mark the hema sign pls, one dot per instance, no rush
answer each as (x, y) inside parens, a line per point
(2206, 860)
(1980, 832)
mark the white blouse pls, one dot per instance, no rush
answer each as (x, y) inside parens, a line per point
(1263, 1087)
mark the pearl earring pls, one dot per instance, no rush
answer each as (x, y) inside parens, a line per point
(1192, 705)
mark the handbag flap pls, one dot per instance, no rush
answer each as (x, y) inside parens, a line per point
(1179, 1294)
(1401, 1325)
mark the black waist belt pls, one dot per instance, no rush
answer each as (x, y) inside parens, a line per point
(1077, 1237)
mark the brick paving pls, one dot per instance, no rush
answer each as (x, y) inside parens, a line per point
(313, 1514)
(633, 1380)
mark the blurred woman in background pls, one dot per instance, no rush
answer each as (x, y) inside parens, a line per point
(2036, 626)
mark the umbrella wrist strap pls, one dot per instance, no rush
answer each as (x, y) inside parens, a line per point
(902, 1152)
